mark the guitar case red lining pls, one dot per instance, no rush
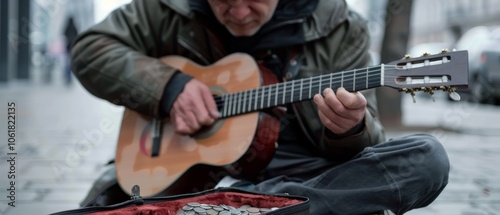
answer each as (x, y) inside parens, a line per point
(287, 204)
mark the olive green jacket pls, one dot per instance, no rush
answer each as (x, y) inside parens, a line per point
(118, 60)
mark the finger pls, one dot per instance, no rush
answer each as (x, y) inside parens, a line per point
(191, 121)
(191, 101)
(329, 113)
(332, 125)
(200, 110)
(320, 102)
(351, 100)
(337, 112)
(333, 103)
(179, 125)
(185, 121)
(209, 102)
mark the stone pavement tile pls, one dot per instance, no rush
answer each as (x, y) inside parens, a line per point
(65, 195)
(59, 170)
(29, 208)
(20, 195)
(449, 209)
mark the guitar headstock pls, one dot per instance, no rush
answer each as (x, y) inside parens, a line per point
(444, 71)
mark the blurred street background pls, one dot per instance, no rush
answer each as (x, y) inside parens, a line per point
(64, 135)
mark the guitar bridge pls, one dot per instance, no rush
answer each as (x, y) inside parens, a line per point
(157, 133)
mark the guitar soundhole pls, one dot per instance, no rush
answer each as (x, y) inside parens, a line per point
(207, 131)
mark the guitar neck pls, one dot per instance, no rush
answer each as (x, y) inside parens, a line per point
(279, 94)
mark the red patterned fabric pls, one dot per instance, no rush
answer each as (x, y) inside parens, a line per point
(226, 198)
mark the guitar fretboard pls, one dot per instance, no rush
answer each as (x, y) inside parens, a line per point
(297, 90)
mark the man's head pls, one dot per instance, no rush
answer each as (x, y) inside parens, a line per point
(243, 17)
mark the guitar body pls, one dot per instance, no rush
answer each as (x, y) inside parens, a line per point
(241, 145)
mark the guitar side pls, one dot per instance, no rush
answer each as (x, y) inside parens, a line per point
(240, 143)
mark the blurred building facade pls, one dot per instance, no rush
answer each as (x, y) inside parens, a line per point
(447, 20)
(32, 39)
(432, 21)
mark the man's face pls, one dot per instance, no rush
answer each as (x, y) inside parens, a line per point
(243, 17)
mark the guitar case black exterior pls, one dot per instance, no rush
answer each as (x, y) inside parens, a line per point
(222, 200)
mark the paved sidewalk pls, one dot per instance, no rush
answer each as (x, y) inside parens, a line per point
(62, 143)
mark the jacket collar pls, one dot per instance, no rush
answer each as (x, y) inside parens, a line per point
(325, 18)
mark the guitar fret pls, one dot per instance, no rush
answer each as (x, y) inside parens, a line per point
(225, 104)
(284, 93)
(301, 83)
(255, 102)
(320, 82)
(230, 104)
(239, 103)
(276, 95)
(269, 97)
(262, 98)
(310, 87)
(291, 96)
(367, 73)
(331, 79)
(342, 79)
(244, 109)
(235, 99)
(354, 81)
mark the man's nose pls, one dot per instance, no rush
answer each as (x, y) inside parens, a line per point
(239, 9)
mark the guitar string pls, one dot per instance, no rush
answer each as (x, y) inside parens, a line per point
(266, 91)
(234, 108)
(313, 81)
(289, 89)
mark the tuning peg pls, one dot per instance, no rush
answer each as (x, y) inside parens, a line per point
(432, 95)
(426, 54)
(430, 91)
(444, 51)
(407, 56)
(451, 93)
(454, 95)
(411, 92)
(413, 96)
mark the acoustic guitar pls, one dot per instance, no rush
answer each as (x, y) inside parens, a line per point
(242, 142)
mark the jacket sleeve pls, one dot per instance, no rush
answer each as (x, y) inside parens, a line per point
(350, 42)
(118, 59)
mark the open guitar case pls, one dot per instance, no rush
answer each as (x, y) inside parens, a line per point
(172, 200)
(282, 204)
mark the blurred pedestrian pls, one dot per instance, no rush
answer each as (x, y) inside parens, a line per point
(70, 33)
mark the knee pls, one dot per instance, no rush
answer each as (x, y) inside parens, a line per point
(429, 156)
(427, 168)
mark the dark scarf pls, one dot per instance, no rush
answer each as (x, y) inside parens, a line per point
(273, 34)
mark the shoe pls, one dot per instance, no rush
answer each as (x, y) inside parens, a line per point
(227, 181)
